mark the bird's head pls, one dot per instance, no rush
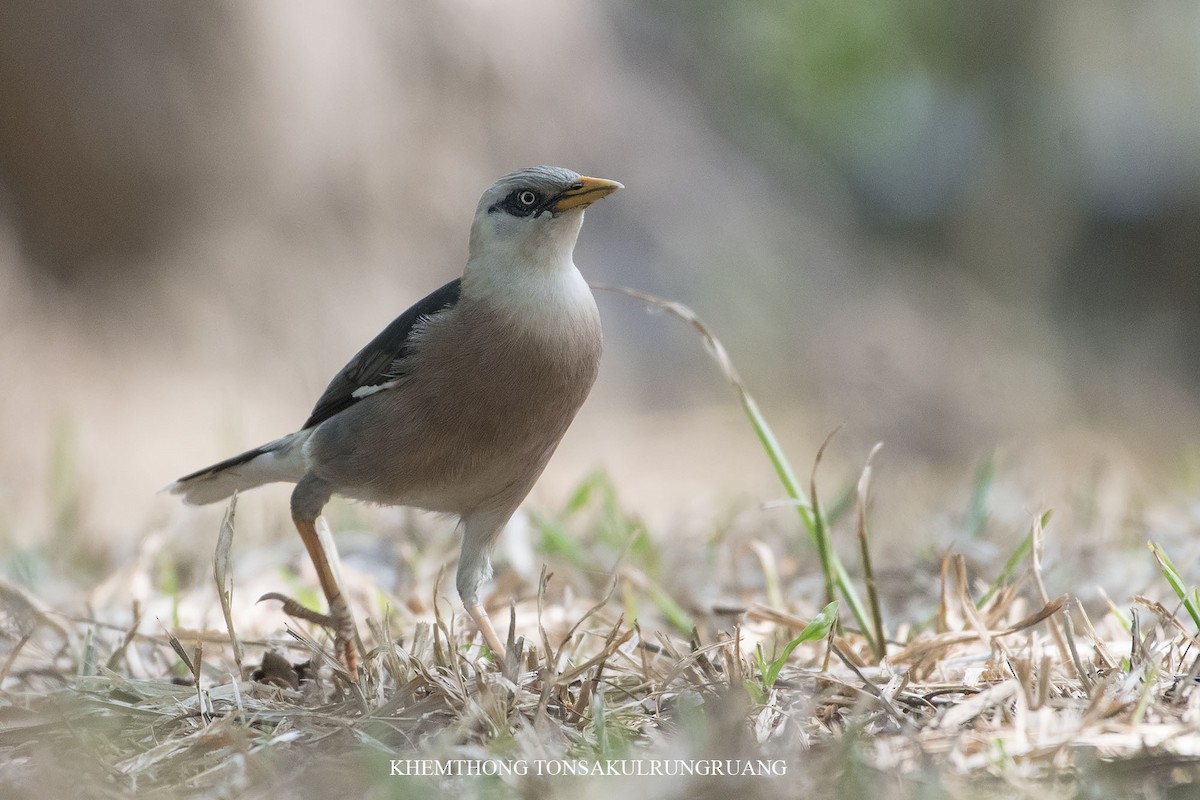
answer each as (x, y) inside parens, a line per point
(531, 217)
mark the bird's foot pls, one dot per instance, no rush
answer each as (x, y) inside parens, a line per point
(345, 635)
(339, 620)
(484, 623)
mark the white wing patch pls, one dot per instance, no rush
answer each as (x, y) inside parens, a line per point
(367, 391)
(394, 374)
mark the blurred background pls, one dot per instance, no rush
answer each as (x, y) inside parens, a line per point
(969, 230)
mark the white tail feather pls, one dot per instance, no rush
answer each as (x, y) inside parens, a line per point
(280, 460)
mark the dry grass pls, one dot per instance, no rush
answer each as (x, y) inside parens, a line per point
(1023, 693)
(992, 688)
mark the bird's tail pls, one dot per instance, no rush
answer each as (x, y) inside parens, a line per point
(280, 460)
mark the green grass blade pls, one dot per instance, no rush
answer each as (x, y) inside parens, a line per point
(817, 531)
(815, 630)
(1010, 566)
(877, 640)
(981, 490)
(1176, 581)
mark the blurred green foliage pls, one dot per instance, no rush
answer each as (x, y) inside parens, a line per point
(805, 65)
(594, 534)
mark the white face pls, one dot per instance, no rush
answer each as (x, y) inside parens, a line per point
(521, 244)
(522, 220)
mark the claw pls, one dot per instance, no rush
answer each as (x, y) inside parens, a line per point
(294, 609)
(338, 620)
(345, 635)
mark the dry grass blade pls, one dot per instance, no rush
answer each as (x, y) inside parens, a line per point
(869, 687)
(1036, 554)
(1189, 681)
(1043, 613)
(920, 650)
(966, 605)
(1080, 669)
(115, 659)
(612, 588)
(1106, 657)
(962, 713)
(685, 665)
(547, 651)
(177, 646)
(325, 657)
(223, 576)
(12, 656)
(28, 612)
(1165, 615)
(514, 647)
(770, 570)
(942, 622)
(611, 643)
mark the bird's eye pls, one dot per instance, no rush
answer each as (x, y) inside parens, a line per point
(527, 198)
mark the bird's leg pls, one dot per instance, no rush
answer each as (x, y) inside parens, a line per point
(345, 635)
(480, 529)
(308, 499)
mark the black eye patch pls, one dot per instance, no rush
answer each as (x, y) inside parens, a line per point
(520, 203)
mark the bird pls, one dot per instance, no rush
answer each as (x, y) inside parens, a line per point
(458, 404)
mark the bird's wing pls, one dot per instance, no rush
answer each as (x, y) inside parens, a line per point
(379, 365)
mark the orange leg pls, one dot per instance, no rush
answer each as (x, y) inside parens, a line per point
(484, 623)
(345, 635)
(346, 642)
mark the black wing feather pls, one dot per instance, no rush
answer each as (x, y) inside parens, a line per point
(374, 364)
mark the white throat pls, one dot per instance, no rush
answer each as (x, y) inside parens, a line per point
(548, 295)
(529, 271)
